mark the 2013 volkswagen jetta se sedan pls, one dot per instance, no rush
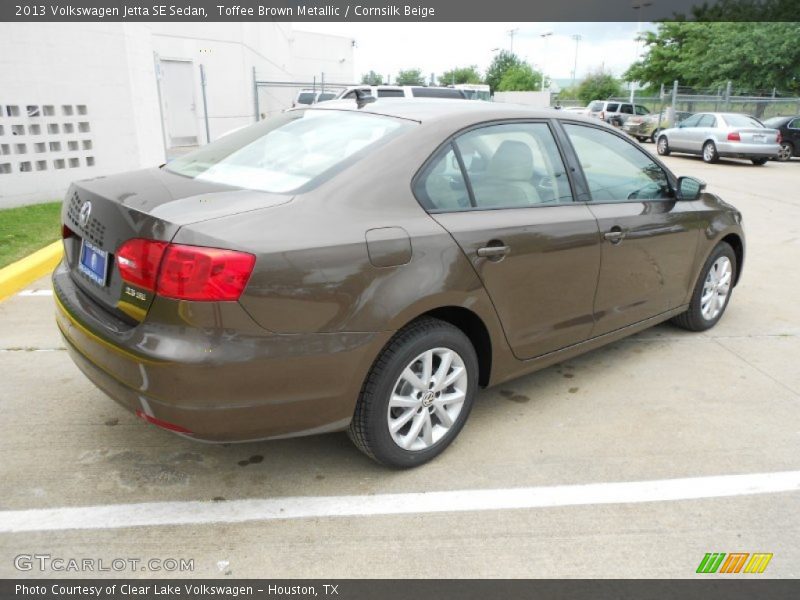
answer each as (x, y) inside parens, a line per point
(368, 266)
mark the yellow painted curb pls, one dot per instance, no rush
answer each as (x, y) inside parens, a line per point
(17, 275)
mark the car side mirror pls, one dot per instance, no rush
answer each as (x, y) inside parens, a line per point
(690, 188)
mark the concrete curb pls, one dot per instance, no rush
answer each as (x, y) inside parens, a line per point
(17, 275)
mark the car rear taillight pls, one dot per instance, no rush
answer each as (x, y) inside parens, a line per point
(204, 274)
(602, 115)
(185, 272)
(734, 136)
(138, 262)
(66, 232)
(779, 139)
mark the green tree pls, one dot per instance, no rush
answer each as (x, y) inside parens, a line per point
(755, 57)
(372, 78)
(460, 75)
(410, 77)
(501, 63)
(521, 78)
(598, 86)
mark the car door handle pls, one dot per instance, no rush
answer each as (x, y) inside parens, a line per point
(494, 252)
(615, 235)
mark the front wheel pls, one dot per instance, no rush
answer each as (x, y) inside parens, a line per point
(759, 161)
(710, 154)
(417, 395)
(663, 146)
(712, 290)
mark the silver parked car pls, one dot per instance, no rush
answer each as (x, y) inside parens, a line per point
(715, 135)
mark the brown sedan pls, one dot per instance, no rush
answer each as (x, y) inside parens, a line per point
(367, 267)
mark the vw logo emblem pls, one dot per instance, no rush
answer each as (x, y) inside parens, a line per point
(428, 398)
(83, 216)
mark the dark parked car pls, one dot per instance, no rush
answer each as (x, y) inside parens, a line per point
(790, 135)
(368, 269)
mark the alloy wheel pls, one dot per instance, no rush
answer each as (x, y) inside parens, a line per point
(786, 151)
(427, 399)
(662, 145)
(716, 288)
(709, 152)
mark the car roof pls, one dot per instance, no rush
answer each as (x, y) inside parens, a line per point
(427, 110)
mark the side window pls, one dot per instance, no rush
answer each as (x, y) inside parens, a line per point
(616, 170)
(626, 109)
(441, 186)
(390, 93)
(691, 121)
(514, 165)
(642, 110)
(707, 121)
(612, 107)
(794, 124)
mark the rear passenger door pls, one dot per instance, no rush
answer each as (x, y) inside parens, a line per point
(648, 238)
(504, 194)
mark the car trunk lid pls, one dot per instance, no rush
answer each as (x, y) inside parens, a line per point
(757, 135)
(102, 214)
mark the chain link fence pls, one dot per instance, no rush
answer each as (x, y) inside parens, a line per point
(271, 96)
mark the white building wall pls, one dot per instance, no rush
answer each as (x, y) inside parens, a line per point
(112, 69)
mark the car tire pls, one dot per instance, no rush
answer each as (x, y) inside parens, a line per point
(718, 273)
(662, 146)
(710, 154)
(414, 404)
(786, 152)
(759, 161)
(654, 136)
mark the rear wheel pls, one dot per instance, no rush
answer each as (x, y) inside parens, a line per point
(712, 290)
(759, 161)
(786, 152)
(663, 146)
(417, 395)
(710, 154)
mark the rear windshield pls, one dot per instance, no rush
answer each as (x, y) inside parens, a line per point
(390, 93)
(422, 92)
(326, 96)
(596, 106)
(776, 122)
(289, 151)
(742, 121)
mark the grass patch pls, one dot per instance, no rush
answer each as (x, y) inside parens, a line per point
(25, 229)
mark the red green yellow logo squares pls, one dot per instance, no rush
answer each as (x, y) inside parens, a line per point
(734, 562)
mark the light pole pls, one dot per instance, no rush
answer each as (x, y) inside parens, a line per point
(638, 6)
(545, 37)
(577, 37)
(511, 34)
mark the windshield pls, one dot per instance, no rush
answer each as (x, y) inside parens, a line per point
(289, 151)
(306, 98)
(742, 121)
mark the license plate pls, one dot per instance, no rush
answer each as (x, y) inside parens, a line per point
(759, 138)
(93, 263)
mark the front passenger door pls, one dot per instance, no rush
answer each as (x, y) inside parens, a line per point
(649, 238)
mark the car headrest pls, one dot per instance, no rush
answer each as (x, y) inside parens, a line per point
(513, 161)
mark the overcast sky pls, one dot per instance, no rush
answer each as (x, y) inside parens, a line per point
(438, 47)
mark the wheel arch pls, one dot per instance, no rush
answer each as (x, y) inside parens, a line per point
(472, 325)
(735, 242)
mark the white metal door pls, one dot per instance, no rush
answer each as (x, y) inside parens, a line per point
(180, 109)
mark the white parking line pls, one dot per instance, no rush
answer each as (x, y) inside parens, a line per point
(29, 293)
(237, 511)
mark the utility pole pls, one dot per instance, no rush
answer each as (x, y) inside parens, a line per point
(545, 37)
(577, 37)
(511, 34)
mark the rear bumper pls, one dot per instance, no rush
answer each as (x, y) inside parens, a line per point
(740, 150)
(224, 383)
